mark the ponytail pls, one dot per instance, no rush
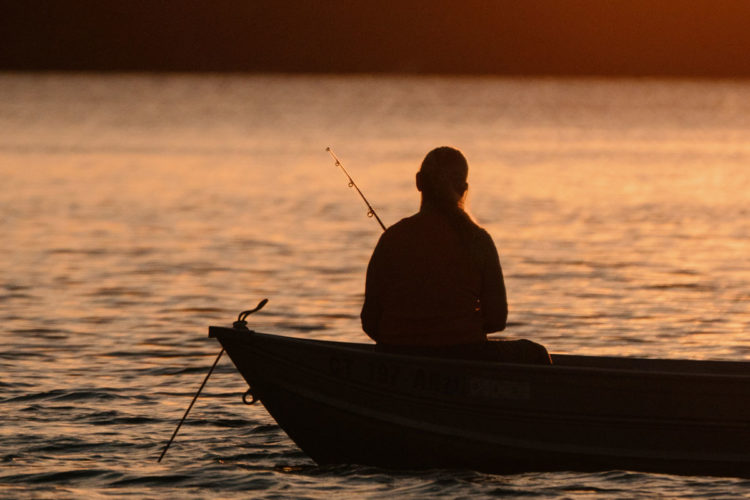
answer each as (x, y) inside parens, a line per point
(442, 181)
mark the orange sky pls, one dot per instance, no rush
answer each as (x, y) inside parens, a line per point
(600, 37)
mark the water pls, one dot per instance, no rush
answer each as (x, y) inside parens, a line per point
(136, 210)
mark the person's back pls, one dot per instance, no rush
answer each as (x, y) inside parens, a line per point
(426, 283)
(434, 280)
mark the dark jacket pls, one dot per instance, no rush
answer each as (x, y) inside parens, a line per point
(434, 279)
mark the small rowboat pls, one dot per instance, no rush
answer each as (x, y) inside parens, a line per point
(356, 403)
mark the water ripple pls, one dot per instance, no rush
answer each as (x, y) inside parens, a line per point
(129, 231)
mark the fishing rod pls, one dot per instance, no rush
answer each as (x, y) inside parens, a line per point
(370, 210)
(240, 323)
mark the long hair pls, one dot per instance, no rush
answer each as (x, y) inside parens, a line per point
(442, 180)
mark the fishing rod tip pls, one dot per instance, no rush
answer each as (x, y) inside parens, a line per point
(328, 148)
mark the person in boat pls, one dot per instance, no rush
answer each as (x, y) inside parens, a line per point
(434, 282)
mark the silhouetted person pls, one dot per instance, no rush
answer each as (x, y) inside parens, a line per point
(434, 282)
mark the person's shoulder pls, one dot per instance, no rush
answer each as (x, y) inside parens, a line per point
(482, 232)
(403, 224)
(483, 236)
(478, 230)
(396, 232)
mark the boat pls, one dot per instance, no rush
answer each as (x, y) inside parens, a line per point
(352, 403)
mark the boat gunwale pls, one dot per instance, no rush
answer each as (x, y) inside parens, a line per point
(372, 349)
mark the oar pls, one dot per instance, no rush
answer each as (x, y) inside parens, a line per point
(241, 319)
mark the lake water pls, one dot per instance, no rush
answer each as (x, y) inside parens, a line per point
(136, 210)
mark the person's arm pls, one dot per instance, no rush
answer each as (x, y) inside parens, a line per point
(371, 309)
(493, 299)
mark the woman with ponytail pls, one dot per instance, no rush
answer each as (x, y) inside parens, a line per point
(434, 281)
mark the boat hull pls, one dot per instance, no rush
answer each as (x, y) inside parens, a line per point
(353, 403)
